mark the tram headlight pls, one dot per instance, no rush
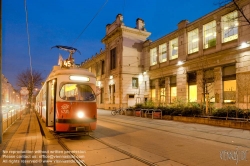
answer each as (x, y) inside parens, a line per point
(80, 114)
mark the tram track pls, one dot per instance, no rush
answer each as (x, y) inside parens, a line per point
(81, 163)
(124, 152)
(140, 120)
(73, 156)
(124, 121)
(78, 160)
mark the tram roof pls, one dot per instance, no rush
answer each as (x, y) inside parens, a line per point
(57, 70)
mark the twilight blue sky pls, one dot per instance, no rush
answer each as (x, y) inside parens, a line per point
(60, 22)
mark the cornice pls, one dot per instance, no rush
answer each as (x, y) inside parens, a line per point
(123, 29)
(94, 59)
(135, 31)
(112, 35)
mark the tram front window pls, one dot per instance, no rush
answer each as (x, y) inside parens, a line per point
(79, 92)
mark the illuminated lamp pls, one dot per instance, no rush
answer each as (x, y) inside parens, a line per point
(79, 78)
(244, 44)
(80, 114)
(180, 63)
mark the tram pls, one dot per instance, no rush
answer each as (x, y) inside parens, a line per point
(66, 101)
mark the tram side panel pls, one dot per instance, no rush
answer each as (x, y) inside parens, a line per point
(43, 103)
(50, 111)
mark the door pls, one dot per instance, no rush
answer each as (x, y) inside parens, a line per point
(51, 100)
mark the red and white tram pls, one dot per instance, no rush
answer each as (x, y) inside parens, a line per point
(66, 101)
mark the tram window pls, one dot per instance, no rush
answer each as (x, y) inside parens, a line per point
(80, 92)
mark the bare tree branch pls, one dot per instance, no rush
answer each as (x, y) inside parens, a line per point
(241, 11)
(24, 79)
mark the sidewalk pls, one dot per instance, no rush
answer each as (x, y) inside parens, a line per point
(21, 142)
(25, 145)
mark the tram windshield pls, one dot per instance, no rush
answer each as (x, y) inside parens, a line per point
(80, 92)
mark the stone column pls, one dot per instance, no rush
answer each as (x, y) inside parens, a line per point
(218, 87)
(218, 34)
(199, 81)
(157, 92)
(181, 82)
(167, 90)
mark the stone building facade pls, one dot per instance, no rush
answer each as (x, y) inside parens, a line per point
(205, 60)
(8, 94)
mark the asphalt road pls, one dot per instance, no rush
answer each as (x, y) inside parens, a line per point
(126, 140)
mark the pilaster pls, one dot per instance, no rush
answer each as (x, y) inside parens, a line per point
(199, 81)
(157, 92)
(218, 87)
(182, 88)
(167, 89)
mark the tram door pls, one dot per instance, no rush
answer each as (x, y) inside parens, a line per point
(50, 113)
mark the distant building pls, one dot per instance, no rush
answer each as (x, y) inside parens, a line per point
(9, 94)
(208, 59)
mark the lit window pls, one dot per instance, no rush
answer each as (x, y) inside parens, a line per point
(80, 92)
(153, 56)
(153, 94)
(209, 33)
(229, 84)
(163, 53)
(163, 96)
(192, 87)
(193, 41)
(229, 26)
(173, 94)
(173, 48)
(229, 88)
(192, 93)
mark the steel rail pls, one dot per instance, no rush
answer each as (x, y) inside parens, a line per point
(124, 152)
(73, 156)
(58, 137)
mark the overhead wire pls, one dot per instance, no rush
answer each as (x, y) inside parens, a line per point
(90, 22)
(28, 36)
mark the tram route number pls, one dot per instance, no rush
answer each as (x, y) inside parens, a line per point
(65, 109)
(67, 63)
